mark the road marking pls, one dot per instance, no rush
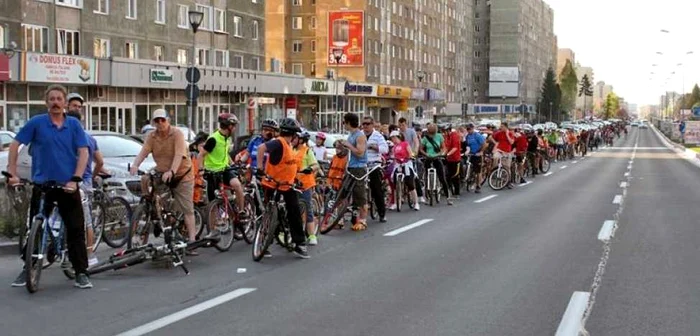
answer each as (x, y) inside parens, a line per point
(408, 227)
(570, 324)
(623, 184)
(606, 231)
(524, 184)
(183, 314)
(644, 148)
(627, 174)
(629, 167)
(631, 162)
(617, 199)
(583, 158)
(550, 173)
(485, 199)
(563, 167)
(575, 162)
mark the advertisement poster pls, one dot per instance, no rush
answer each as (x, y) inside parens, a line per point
(346, 30)
(58, 69)
(692, 132)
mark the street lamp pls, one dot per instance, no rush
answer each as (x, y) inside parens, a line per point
(420, 74)
(503, 109)
(337, 55)
(196, 18)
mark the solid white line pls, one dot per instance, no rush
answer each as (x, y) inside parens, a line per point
(606, 231)
(485, 199)
(575, 162)
(570, 324)
(623, 184)
(550, 173)
(645, 148)
(183, 314)
(563, 167)
(617, 199)
(407, 227)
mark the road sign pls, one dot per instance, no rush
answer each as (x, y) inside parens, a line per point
(192, 91)
(252, 103)
(192, 75)
(696, 111)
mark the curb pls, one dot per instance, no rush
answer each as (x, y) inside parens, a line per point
(688, 154)
(8, 248)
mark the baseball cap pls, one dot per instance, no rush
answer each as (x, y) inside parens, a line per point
(159, 113)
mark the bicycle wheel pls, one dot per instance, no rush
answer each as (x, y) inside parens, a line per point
(264, 232)
(116, 262)
(34, 254)
(373, 213)
(97, 214)
(334, 215)
(140, 227)
(117, 216)
(218, 218)
(499, 178)
(317, 208)
(545, 166)
(398, 194)
(247, 229)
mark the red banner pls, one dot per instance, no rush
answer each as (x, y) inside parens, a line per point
(346, 30)
(4, 68)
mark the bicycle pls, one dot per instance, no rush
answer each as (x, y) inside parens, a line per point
(19, 202)
(499, 177)
(340, 205)
(46, 241)
(111, 216)
(433, 188)
(469, 179)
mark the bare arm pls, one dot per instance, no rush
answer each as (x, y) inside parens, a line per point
(180, 147)
(261, 153)
(143, 154)
(12, 159)
(200, 157)
(83, 155)
(99, 163)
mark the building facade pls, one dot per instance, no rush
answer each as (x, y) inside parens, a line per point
(564, 55)
(600, 94)
(583, 102)
(481, 43)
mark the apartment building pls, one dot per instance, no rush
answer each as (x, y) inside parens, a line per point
(564, 55)
(133, 55)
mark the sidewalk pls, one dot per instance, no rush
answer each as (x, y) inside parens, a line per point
(686, 153)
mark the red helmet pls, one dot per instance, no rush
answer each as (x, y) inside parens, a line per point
(321, 135)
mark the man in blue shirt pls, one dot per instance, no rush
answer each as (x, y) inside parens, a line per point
(268, 129)
(476, 147)
(357, 166)
(60, 148)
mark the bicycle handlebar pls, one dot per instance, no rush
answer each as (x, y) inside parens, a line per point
(44, 186)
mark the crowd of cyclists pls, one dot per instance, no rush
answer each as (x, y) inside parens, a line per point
(389, 165)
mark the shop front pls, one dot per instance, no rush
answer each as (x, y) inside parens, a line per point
(393, 103)
(333, 99)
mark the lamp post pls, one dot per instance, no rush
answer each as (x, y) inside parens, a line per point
(196, 18)
(420, 74)
(503, 109)
(337, 55)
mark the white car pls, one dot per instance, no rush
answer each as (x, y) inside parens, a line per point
(634, 124)
(643, 126)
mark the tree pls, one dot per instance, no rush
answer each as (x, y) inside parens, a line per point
(585, 90)
(548, 95)
(612, 106)
(569, 84)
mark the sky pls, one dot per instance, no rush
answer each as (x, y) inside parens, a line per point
(620, 39)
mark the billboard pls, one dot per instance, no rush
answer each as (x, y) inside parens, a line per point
(498, 89)
(64, 69)
(503, 74)
(346, 30)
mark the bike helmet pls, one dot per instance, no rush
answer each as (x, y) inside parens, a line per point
(446, 127)
(321, 135)
(290, 125)
(228, 119)
(305, 136)
(394, 134)
(270, 123)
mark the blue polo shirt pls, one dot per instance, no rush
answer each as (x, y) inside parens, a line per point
(474, 141)
(54, 150)
(92, 148)
(253, 149)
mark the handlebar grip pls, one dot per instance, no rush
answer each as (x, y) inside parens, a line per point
(6, 174)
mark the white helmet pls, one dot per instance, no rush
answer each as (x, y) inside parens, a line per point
(394, 134)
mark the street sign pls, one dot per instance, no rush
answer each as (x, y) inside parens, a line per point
(252, 103)
(192, 91)
(192, 75)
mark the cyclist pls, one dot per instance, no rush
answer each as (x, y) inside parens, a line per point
(214, 157)
(433, 146)
(60, 154)
(75, 107)
(453, 147)
(308, 166)
(376, 147)
(267, 131)
(168, 147)
(476, 145)
(403, 155)
(521, 152)
(503, 141)
(281, 165)
(357, 166)
(533, 146)
(320, 147)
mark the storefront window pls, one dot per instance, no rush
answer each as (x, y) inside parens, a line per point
(181, 115)
(17, 92)
(2, 117)
(2, 91)
(141, 117)
(37, 93)
(36, 110)
(171, 113)
(16, 116)
(141, 95)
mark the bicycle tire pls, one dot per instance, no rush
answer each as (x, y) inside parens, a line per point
(499, 179)
(34, 241)
(335, 215)
(316, 207)
(215, 210)
(264, 232)
(372, 207)
(118, 209)
(247, 229)
(118, 262)
(546, 165)
(98, 224)
(136, 230)
(398, 194)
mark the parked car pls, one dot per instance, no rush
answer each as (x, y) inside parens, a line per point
(118, 151)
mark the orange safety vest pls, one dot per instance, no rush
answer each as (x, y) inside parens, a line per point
(337, 170)
(307, 180)
(285, 171)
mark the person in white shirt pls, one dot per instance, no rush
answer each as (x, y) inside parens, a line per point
(319, 148)
(376, 147)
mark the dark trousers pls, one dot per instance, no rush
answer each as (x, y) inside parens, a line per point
(440, 170)
(71, 210)
(453, 177)
(375, 187)
(291, 201)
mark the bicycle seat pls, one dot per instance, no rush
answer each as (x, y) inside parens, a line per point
(105, 176)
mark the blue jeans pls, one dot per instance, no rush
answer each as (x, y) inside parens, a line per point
(306, 198)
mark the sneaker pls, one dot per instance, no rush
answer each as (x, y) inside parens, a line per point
(313, 240)
(449, 202)
(416, 207)
(93, 261)
(422, 200)
(301, 252)
(382, 219)
(82, 281)
(522, 181)
(392, 207)
(21, 280)
(477, 191)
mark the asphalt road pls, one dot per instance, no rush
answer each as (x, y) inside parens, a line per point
(507, 265)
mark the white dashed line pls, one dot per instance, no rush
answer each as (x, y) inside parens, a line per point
(606, 231)
(575, 162)
(623, 184)
(617, 199)
(548, 174)
(627, 174)
(485, 199)
(570, 324)
(563, 167)
(408, 227)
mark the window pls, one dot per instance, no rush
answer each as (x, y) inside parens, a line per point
(67, 42)
(201, 56)
(207, 19)
(477, 28)
(73, 3)
(221, 58)
(131, 50)
(296, 22)
(296, 2)
(102, 7)
(183, 18)
(313, 45)
(237, 26)
(101, 48)
(182, 56)
(255, 64)
(477, 53)
(219, 20)
(36, 38)
(160, 11)
(131, 9)
(255, 30)
(2, 38)
(312, 66)
(296, 46)
(297, 69)
(313, 22)
(238, 62)
(158, 53)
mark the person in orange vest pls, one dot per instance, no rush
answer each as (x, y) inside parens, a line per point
(281, 165)
(306, 160)
(338, 164)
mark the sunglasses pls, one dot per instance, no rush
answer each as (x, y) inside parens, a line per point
(366, 123)
(159, 120)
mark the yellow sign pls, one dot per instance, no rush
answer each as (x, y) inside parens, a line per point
(393, 91)
(372, 102)
(402, 105)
